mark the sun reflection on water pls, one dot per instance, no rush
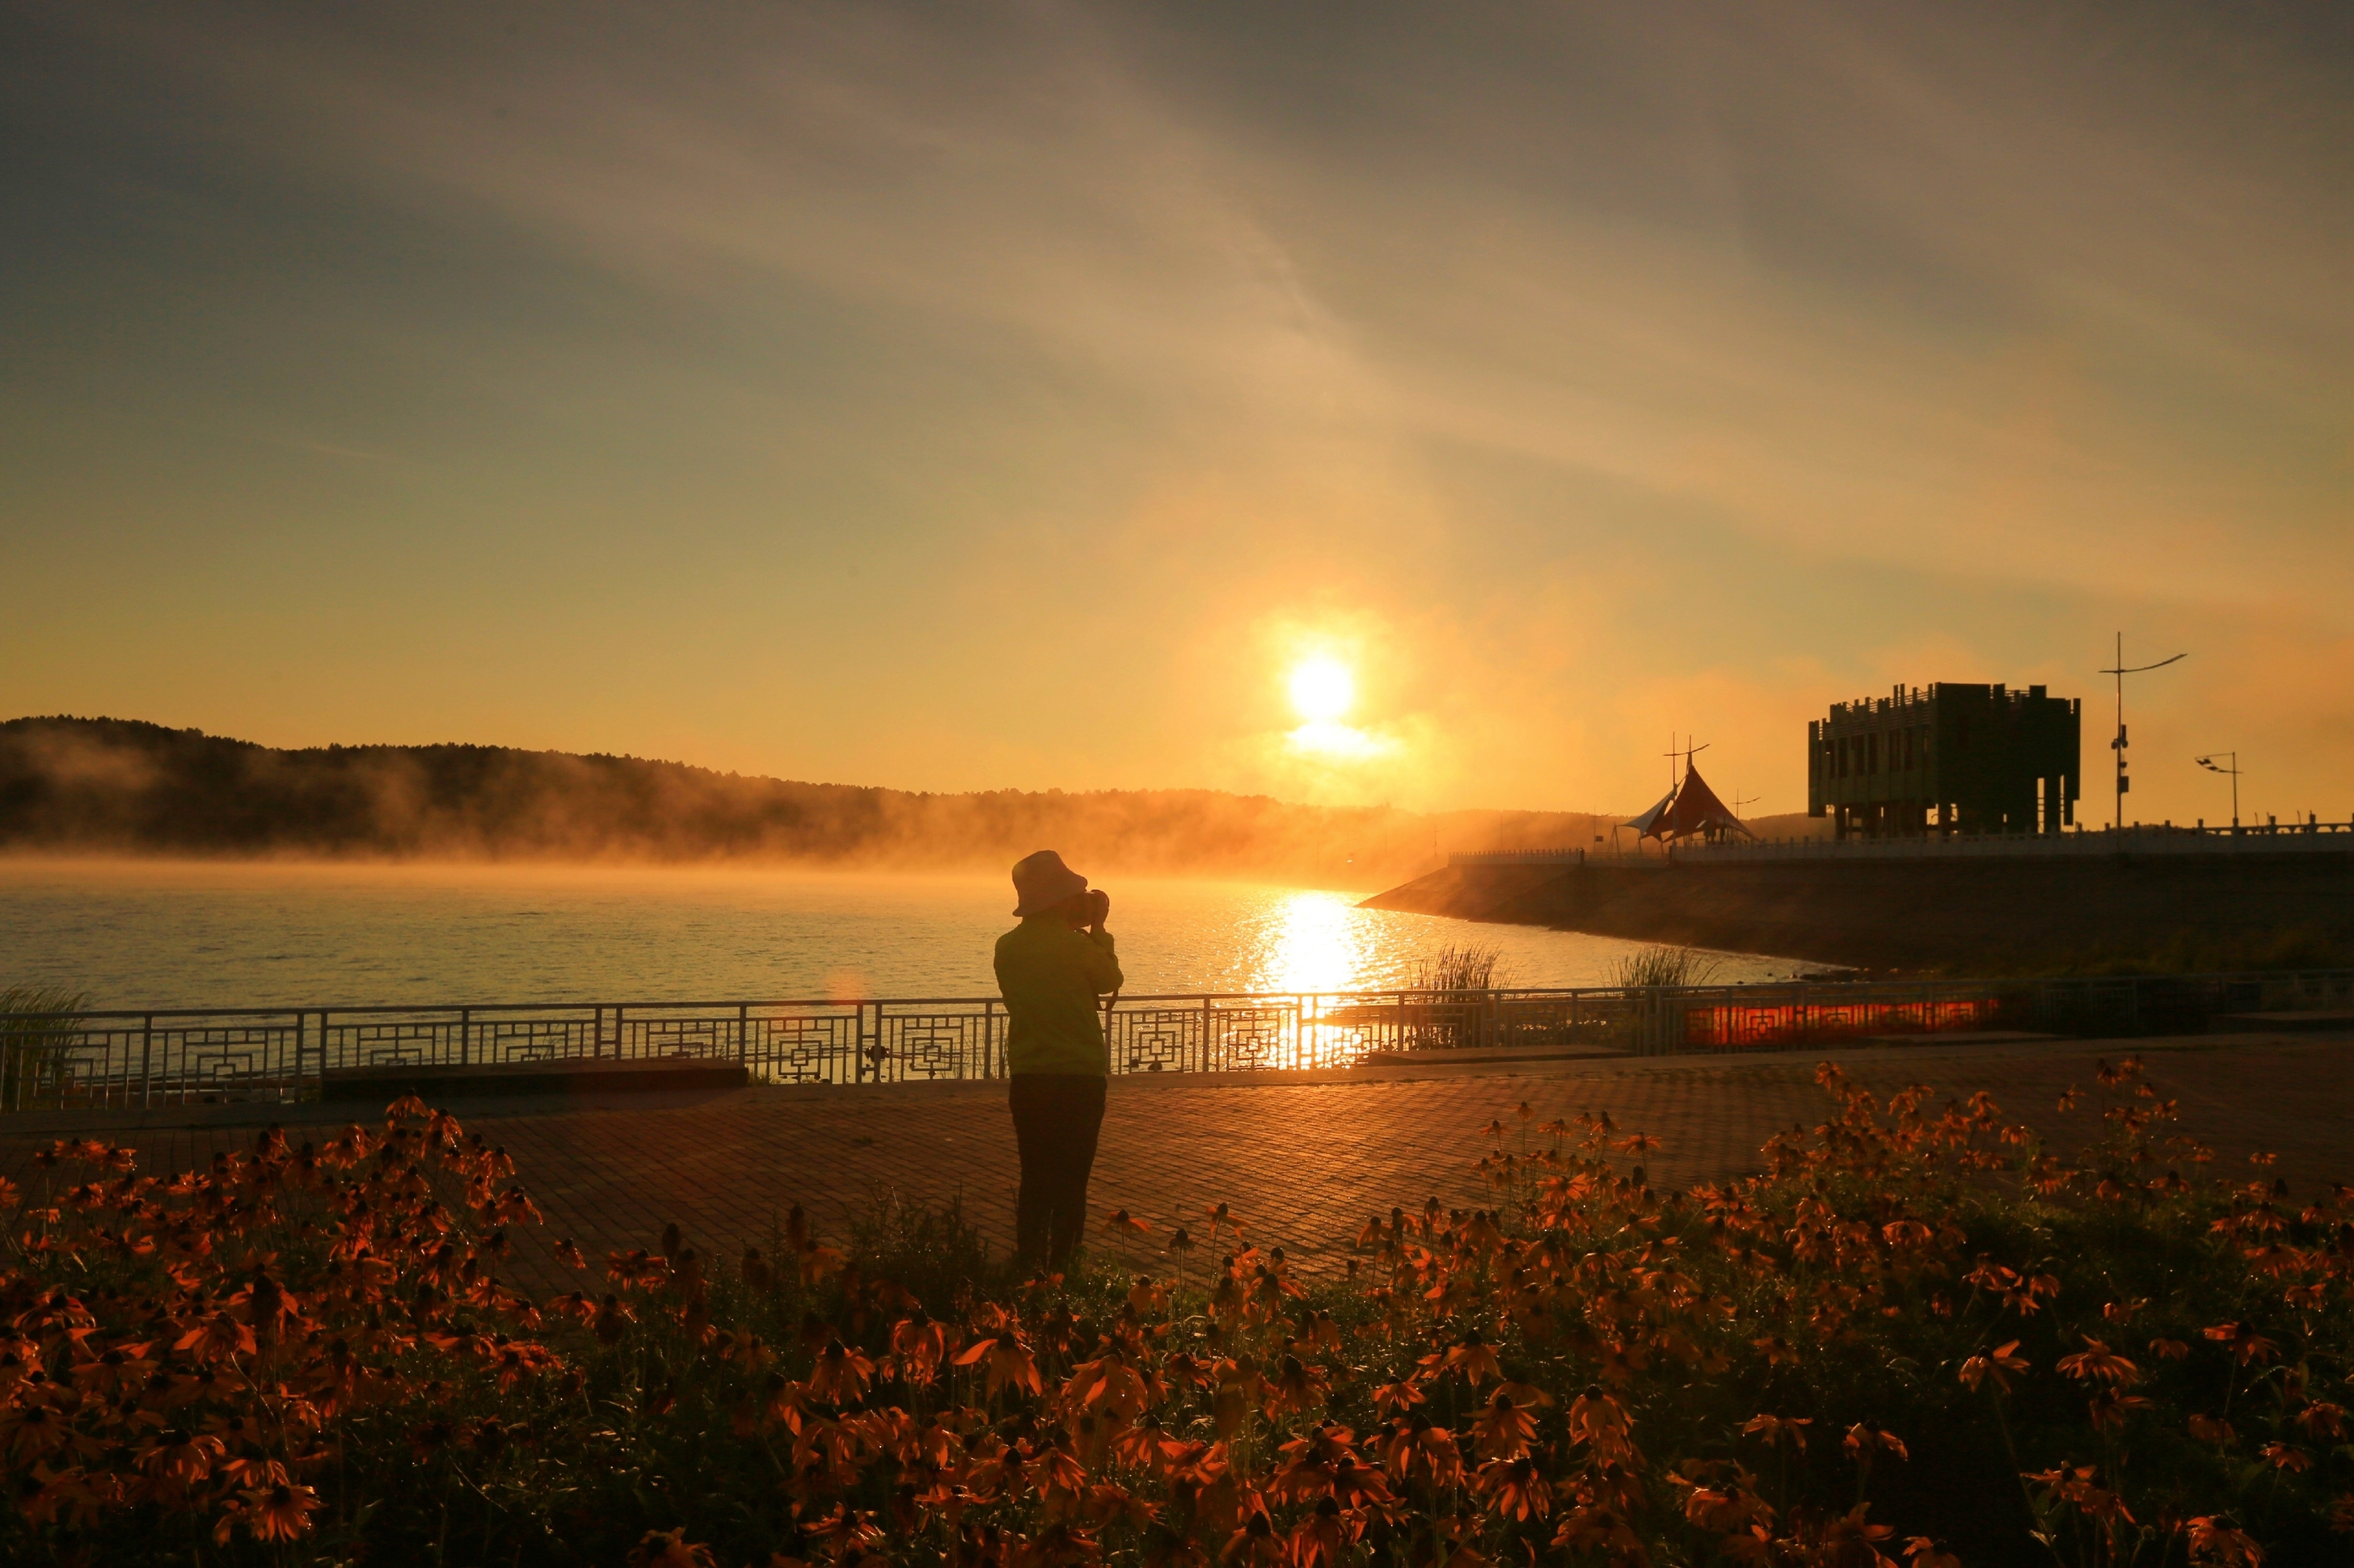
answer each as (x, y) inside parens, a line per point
(1314, 944)
(1320, 941)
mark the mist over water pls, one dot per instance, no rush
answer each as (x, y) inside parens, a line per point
(162, 934)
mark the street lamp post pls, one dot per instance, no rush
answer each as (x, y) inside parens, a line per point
(2118, 821)
(2208, 762)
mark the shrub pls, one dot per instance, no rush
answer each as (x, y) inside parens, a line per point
(1468, 967)
(1657, 965)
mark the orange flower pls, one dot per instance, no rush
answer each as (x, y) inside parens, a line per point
(179, 1456)
(1599, 1421)
(921, 1345)
(1321, 1540)
(33, 1429)
(1503, 1430)
(2096, 1359)
(1296, 1386)
(1734, 1510)
(1475, 1358)
(216, 1338)
(61, 1491)
(2322, 1419)
(1514, 1489)
(1009, 1363)
(637, 1269)
(670, 1549)
(116, 1369)
(1906, 1233)
(1863, 1440)
(1359, 1485)
(840, 1374)
(281, 1512)
(2212, 1542)
(612, 1320)
(1415, 1444)
(1994, 1364)
(1253, 1545)
(1779, 1429)
(2245, 1343)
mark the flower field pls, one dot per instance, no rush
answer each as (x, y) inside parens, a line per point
(1918, 1335)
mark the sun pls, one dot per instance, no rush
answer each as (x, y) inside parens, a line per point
(1322, 689)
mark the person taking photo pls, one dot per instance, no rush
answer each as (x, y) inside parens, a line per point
(1051, 970)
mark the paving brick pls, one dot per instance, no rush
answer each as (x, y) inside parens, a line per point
(1304, 1158)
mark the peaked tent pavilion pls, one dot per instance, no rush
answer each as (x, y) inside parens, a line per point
(1690, 808)
(1643, 821)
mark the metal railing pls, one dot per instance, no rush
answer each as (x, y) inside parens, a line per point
(2271, 836)
(173, 1057)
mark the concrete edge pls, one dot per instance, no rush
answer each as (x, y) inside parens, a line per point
(314, 1114)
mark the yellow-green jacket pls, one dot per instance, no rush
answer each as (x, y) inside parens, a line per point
(1050, 976)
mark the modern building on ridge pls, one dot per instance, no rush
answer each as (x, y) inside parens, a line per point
(1948, 758)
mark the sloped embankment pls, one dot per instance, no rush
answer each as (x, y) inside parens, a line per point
(2222, 910)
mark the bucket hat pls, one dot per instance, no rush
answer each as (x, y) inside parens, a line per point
(1041, 881)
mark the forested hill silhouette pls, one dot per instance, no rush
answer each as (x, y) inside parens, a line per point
(123, 786)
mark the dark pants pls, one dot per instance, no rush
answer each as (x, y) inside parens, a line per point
(1056, 1118)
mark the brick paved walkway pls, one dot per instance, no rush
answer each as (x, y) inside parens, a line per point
(1304, 1161)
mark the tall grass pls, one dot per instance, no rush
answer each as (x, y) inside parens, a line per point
(930, 1250)
(1466, 968)
(37, 1026)
(1657, 965)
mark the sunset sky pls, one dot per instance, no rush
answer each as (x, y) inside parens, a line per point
(1436, 404)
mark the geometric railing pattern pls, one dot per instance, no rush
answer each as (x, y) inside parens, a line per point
(132, 1059)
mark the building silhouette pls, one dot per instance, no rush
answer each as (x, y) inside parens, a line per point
(1952, 757)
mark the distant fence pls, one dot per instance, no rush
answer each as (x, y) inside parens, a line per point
(162, 1058)
(2269, 837)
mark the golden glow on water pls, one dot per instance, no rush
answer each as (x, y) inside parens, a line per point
(212, 935)
(1313, 944)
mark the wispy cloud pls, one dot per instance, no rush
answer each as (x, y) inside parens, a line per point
(1635, 368)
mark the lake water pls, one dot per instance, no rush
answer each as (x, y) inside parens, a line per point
(165, 934)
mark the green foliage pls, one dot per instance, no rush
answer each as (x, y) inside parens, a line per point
(1456, 967)
(36, 1025)
(1659, 965)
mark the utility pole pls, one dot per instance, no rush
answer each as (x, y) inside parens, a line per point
(2118, 821)
(2208, 762)
(1674, 778)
